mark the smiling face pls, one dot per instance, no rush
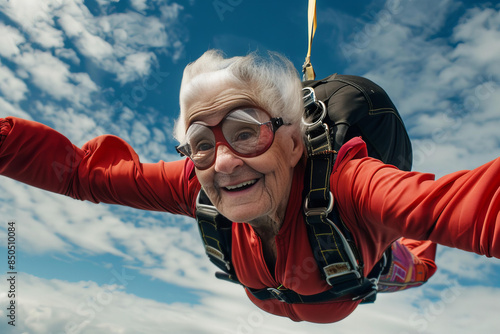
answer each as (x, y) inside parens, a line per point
(246, 189)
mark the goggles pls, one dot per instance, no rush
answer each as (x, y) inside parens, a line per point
(240, 130)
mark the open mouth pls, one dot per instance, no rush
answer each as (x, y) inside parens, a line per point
(241, 186)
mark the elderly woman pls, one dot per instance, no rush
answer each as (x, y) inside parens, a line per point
(258, 184)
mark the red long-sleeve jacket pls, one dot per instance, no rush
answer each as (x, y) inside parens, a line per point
(377, 202)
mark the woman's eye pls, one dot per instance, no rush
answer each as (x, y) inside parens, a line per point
(204, 146)
(245, 135)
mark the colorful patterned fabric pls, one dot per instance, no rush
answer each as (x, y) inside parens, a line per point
(407, 270)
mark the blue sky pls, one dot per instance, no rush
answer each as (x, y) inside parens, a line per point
(88, 68)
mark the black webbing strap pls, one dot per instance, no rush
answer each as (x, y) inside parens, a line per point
(336, 294)
(215, 230)
(333, 253)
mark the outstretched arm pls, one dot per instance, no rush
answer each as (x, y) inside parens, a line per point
(106, 169)
(459, 210)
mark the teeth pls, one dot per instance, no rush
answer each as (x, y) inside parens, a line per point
(241, 185)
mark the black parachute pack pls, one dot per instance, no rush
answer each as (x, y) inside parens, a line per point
(337, 108)
(357, 107)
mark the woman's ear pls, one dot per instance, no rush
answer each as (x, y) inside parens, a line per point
(297, 147)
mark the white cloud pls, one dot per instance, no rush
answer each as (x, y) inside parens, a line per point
(20, 207)
(68, 54)
(139, 5)
(478, 36)
(138, 30)
(36, 18)
(140, 133)
(114, 42)
(464, 265)
(119, 43)
(136, 65)
(54, 77)
(10, 39)
(105, 3)
(8, 109)
(88, 44)
(11, 87)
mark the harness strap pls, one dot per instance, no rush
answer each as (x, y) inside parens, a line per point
(216, 232)
(339, 293)
(330, 247)
(331, 242)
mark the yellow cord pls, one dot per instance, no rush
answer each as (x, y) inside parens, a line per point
(307, 68)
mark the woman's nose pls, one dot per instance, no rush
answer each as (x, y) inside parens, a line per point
(226, 161)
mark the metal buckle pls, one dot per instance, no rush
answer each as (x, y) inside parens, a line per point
(217, 255)
(335, 275)
(317, 119)
(309, 96)
(279, 295)
(368, 294)
(206, 209)
(319, 143)
(312, 106)
(321, 211)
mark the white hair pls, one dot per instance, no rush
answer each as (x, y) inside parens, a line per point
(273, 81)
